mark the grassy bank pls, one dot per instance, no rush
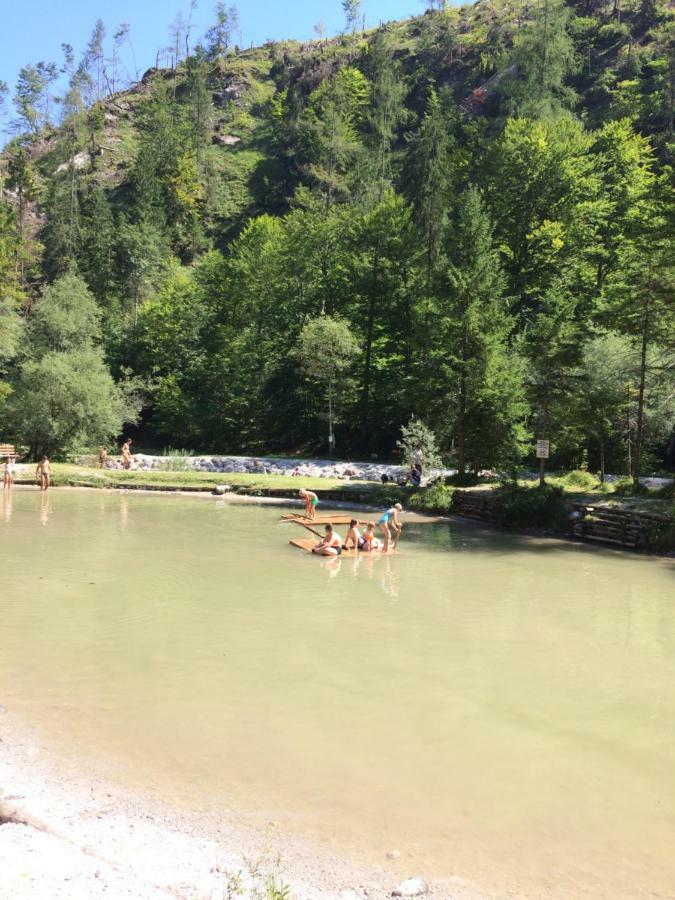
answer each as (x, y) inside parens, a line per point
(69, 475)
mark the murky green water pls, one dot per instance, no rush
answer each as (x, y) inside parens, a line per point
(502, 709)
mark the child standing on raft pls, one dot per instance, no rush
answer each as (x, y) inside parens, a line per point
(390, 517)
(311, 502)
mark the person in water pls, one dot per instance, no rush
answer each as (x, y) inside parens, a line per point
(43, 473)
(126, 453)
(311, 502)
(390, 518)
(353, 537)
(330, 544)
(8, 473)
(369, 541)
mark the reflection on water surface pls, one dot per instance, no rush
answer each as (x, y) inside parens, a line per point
(501, 708)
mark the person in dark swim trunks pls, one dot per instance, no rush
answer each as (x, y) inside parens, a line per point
(353, 537)
(330, 544)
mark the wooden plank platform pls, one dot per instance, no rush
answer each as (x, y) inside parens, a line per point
(337, 519)
(307, 544)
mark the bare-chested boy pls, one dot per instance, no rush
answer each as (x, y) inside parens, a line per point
(43, 473)
(126, 453)
(353, 539)
(311, 502)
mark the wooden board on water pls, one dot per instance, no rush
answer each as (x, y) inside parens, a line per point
(337, 519)
(307, 544)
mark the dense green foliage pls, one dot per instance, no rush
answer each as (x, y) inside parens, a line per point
(478, 200)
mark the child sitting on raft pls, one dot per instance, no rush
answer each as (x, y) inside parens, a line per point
(311, 502)
(365, 542)
(369, 541)
(353, 537)
(330, 544)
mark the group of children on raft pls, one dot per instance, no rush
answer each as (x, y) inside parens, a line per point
(332, 545)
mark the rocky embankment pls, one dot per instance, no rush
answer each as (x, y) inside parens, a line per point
(253, 465)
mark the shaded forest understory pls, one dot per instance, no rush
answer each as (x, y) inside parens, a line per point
(465, 217)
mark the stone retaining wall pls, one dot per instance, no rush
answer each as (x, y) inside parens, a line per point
(588, 522)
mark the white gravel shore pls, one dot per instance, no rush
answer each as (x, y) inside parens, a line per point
(68, 834)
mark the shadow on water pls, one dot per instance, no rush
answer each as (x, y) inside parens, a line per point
(468, 536)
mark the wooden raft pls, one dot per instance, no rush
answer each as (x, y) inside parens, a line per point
(337, 519)
(307, 544)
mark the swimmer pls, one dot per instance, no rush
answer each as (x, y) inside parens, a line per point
(311, 502)
(390, 517)
(353, 536)
(330, 544)
(8, 472)
(369, 541)
(43, 473)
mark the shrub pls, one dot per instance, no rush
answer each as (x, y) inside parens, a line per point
(624, 487)
(667, 492)
(387, 495)
(463, 479)
(659, 536)
(580, 480)
(417, 436)
(541, 507)
(436, 498)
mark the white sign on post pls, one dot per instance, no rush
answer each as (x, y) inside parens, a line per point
(542, 449)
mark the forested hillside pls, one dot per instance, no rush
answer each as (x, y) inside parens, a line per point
(466, 217)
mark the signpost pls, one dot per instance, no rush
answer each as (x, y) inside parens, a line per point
(543, 448)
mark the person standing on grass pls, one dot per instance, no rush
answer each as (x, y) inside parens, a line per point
(8, 473)
(43, 473)
(390, 517)
(102, 457)
(311, 502)
(126, 453)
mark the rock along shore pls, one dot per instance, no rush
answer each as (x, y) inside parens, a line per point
(266, 465)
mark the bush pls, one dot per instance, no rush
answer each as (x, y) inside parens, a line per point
(667, 492)
(540, 507)
(387, 495)
(436, 498)
(659, 536)
(624, 487)
(580, 480)
(463, 479)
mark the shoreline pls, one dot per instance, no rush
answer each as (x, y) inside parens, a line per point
(70, 830)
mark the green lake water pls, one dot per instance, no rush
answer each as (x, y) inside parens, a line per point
(495, 707)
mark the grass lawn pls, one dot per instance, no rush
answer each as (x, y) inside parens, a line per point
(65, 474)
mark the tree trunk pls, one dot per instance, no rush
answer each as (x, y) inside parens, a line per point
(367, 367)
(461, 407)
(602, 459)
(641, 392)
(331, 435)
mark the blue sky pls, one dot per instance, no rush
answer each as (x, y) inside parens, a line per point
(35, 29)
